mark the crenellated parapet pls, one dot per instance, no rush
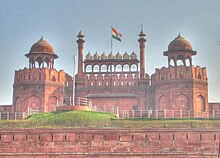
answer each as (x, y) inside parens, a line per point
(111, 63)
(39, 75)
(179, 73)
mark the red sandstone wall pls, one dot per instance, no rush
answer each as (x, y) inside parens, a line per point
(155, 143)
(7, 108)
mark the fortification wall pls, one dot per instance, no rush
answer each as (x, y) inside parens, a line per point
(155, 143)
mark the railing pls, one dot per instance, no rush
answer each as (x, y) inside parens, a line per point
(30, 112)
(11, 116)
(77, 101)
(125, 113)
(164, 114)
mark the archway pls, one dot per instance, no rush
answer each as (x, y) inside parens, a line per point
(163, 103)
(33, 102)
(181, 102)
(52, 104)
(200, 104)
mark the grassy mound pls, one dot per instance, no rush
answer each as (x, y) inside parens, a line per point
(88, 119)
(66, 119)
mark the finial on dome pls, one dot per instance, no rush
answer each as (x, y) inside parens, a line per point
(80, 35)
(142, 35)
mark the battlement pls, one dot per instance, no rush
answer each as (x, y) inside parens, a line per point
(179, 72)
(39, 75)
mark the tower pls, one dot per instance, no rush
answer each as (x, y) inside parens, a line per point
(40, 87)
(80, 42)
(142, 41)
(181, 86)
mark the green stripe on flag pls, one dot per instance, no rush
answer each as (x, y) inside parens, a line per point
(116, 37)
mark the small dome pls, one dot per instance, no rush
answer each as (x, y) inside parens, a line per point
(111, 56)
(103, 56)
(118, 56)
(42, 46)
(179, 43)
(126, 56)
(89, 56)
(96, 56)
(133, 56)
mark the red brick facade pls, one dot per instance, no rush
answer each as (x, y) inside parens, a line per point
(116, 80)
(113, 80)
(157, 143)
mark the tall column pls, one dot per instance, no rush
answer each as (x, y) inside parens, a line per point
(80, 42)
(142, 41)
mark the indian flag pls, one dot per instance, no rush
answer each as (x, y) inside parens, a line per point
(116, 35)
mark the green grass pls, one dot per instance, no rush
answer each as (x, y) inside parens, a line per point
(87, 119)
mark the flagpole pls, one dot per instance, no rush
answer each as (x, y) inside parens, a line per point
(111, 43)
(74, 79)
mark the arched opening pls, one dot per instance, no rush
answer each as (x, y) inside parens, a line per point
(163, 103)
(133, 68)
(188, 61)
(111, 68)
(200, 104)
(172, 62)
(96, 68)
(53, 79)
(33, 103)
(103, 68)
(126, 68)
(118, 68)
(39, 61)
(47, 61)
(52, 104)
(181, 102)
(180, 60)
(88, 68)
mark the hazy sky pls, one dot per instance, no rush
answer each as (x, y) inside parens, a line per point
(23, 22)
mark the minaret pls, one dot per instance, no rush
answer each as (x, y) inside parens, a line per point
(142, 41)
(80, 42)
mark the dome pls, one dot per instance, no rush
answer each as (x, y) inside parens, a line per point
(103, 56)
(133, 56)
(179, 43)
(126, 56)
(111, 56)
(96, 56)
(42, 46)
(118, 56)
(89, 56)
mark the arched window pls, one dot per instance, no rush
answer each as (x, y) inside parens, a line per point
(187, 62)
(133, 68)
(103, 68)
(126, 68)
(47, 61)
(39, 61)
(118, 68)
(172, 62)
(88, 68)
(53, 79)
(96, 68)
(111, 68)
(180, 60)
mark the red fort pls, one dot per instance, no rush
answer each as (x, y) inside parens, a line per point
(114, 80)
